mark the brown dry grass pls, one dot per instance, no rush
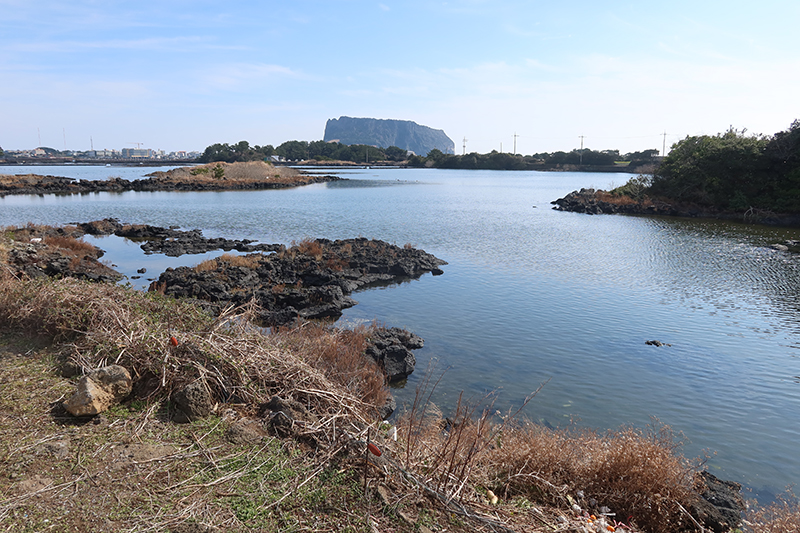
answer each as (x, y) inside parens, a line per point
(309, 247)
(109, 324)
(783, 516)
(621, 199)
(634, 472)
(251, 171)
(439, 463)
(232, 260)
(75, 247)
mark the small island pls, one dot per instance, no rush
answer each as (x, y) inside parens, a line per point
(733, 176)
(219, 176)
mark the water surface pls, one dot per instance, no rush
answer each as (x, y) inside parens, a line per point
(531, 294)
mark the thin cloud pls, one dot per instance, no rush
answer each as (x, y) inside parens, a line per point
(240, 75)
(158, 44)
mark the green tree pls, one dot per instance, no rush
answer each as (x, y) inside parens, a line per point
(394, 153)
(293, 150)
(723, 171)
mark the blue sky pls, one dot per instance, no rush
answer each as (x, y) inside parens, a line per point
(180, 75)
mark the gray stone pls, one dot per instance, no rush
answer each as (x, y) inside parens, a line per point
(193, 402)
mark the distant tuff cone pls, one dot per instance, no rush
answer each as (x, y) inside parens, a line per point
(404, 134)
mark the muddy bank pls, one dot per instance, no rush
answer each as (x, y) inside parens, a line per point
(212, 177)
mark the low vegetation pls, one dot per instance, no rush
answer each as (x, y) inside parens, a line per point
(134, 469)
(731, 171)
(251, 171)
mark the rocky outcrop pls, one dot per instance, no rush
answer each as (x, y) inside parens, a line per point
(404, 134)
(721, 505)
(594, 202)
(310, 280)
(171, 241)
(99, 390)
(39, 258)
(391, 348)
(598, 202)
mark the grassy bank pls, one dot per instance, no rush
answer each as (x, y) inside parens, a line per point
(242, 468)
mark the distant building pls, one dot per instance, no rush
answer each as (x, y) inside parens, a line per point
(137, 153)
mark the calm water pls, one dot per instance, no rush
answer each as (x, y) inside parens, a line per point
(532, 294)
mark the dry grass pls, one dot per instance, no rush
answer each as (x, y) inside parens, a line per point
(75, 247)
(635, 473)
(340, 354)
(251, 171)
(230, 260)
(621, 199)
(783, 516)
(109, 324)
(309, 247)
(446, 463)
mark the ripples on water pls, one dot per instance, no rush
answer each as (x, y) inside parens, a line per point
(532, 294)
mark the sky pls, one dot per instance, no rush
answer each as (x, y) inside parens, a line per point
(548, 75)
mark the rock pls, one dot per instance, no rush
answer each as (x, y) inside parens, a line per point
(310, 280)
(245, 432)
(193, 402)
(58, 449)
(391, 348)
(99, 390)
(656, 343)
(37, 259)
(721, 505)
(386, 410)
(284, 416)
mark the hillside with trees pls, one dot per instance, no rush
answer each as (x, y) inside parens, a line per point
(731, 171)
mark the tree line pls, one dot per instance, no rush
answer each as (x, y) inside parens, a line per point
(361, 153)
(505, 161)
(301, 151)
(729, 171)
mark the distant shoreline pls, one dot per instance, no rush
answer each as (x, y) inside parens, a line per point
(211, 177)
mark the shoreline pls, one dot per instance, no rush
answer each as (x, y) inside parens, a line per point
(229, 268)
(212, 177)
(600, 202)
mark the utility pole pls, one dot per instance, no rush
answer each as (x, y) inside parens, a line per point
(464, 149)
(515, 142)
(581, 154)
(664, 144)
